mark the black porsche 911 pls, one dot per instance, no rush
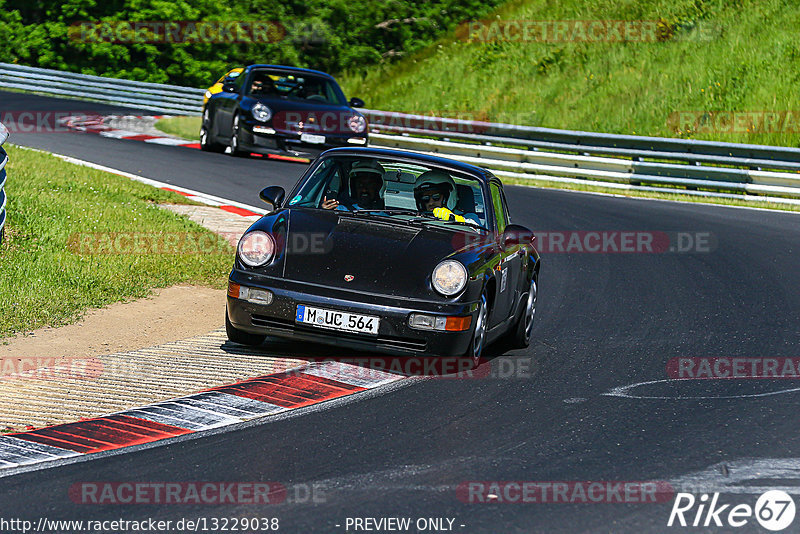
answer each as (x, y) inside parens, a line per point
(270, 109)
(388, 251)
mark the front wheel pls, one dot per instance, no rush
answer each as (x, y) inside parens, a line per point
(235, 144)
(242, 338)
(478, 341)
(520, 337)
(207, 143)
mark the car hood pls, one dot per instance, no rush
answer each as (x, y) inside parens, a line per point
(280, 104)
(362, 253)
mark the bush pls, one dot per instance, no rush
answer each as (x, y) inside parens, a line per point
(329, 35)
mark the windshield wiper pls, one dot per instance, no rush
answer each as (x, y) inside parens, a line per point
(401, 211)
(468, 222)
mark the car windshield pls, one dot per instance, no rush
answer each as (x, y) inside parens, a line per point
(394, 188)
(271, 83)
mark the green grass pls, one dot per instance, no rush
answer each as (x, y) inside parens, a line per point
(723, 55)
(51, 202)
(183, 127)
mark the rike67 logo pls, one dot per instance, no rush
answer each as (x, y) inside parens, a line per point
(774, 510)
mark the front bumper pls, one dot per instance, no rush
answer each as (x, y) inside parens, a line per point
(284, 141)
(394, 336)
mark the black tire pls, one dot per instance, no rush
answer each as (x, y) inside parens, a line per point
(519, 336)
(235, 143)
(478, 342)
(207, 142)
(242, 338)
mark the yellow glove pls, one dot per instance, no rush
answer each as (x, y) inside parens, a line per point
(447, 215)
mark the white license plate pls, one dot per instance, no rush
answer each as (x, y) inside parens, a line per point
(337, 320)
(311, 138)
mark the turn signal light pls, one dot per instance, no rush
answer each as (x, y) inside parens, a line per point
(250, 294)
(233, 290)
(458, 324)
(436, 322)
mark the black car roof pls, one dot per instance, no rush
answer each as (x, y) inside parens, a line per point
(290, 69)
(434, 160)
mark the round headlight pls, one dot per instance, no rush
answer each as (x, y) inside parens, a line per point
(357, 123)
(256, 248)
(449, 277)
(261, 112)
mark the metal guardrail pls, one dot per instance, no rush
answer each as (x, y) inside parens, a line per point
(3, 162)
(683, 166)
(150, 96)
(563, 155)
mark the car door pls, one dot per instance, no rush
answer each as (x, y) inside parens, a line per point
(225, 106)
(508, 267)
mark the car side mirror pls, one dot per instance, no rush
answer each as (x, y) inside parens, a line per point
(229, 88)
(516, 234)
(356, 103)
(274, 195)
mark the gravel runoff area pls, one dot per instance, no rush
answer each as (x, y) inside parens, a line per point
(130, 354)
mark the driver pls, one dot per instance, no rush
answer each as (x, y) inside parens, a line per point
(367, 187)
(262, 86)
(435, 192)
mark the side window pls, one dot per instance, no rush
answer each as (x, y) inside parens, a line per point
(500, 214)
(238, 81)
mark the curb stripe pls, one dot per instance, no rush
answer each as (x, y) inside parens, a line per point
(214, 408)
(77, 436)
(62, 444)
(291, 391)
(99, 126)
(167, 141)
(351, 374)
(238, 211)
(287, 158)
(30, 448)
(184, 193)
(17, 452)
(141, 137)
(233, 404)
(159, 416)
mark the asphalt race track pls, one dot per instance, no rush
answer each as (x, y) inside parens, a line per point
(604, 321)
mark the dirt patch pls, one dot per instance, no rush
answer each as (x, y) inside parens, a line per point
(173, 313)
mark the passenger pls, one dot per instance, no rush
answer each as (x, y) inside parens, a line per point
(435, 192)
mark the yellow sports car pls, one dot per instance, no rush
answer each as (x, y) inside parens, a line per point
(217, 87)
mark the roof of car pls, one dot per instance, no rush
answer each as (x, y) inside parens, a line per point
(424, 158)
(290, 69)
